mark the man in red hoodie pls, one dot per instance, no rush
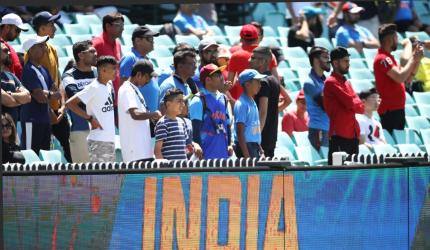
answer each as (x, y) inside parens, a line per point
(341, 103)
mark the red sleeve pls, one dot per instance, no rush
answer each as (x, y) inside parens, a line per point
(383, 64)
(273, 63)
(233, 64)
(288, 124)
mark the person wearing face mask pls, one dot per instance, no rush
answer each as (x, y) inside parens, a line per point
(390, 78)
(352, 35)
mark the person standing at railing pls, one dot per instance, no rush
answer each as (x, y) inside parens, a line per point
(341, 104)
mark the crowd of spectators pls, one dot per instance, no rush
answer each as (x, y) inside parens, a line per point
(212, 101)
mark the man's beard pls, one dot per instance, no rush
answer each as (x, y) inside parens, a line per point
(344, 71)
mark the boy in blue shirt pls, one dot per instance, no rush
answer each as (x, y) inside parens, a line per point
(247, 120)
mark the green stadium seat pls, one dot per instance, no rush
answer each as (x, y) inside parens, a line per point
(417, 122)
(269, 31)
(294, 53)
(76, 29)
(59, 30)
(233, 40)
(283, 64)
(69, 50)
(155, 27)
(273, 20)
(309, 154)
(96, 29)
(190, 39)
(323, 42)
(30, 29)
(406, 136)
(129, 28)
(283, 31)
(163, 62)
(425, 135)
(364, 150)
(217, 30)
(324, 152)
(301, 138)
(427, 148)
(15, 42)
(127, 20)
(284, 140)
(424, 110)
(353, 53)
(388, 137)
(384, 149)
(160, 51)
(260, 9)
(357, 63)
(220, 39)
(269, 41)
(409, 149)
(164, 40)
(60, 51)
(421, 35)
(360, 85)
(88, 19)
(232, 31)
(361, 74)
(60, 40)
(50, 156)
(79, 38)
(126, 40)
(296, 63)
(422, 97)
(62, 62)
(17, 48)
(30, 156)
(410, 110)
(409, 99)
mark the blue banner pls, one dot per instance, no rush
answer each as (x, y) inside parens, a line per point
(330, 209)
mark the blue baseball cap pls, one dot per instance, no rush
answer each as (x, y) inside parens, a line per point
(249, 74)
(311, 11)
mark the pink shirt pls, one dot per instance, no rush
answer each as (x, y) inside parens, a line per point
(291, 122)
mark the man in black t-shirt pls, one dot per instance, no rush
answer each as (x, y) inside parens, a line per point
(267, 99)
(303, 34)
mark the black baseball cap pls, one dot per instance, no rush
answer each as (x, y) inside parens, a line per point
(143, 31)
(338, 53)
(44, 17)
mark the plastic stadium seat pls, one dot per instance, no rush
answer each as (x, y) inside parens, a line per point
(30, 156)
(370, 53)
(96, 29)
(220, 39)
(296, 63)
(269, 41)
(324, 152)
(126, 20)
(409, 149)
(217, 30)
(30, 29)
(361, 74)
(422, 97)
(62, 62)
(129, 28)
(160, 51)
(261, 9)
(60, 51)
(406, 136)
(273, 20)
(287, 73)
(190, 39)
(427, 147)
(384, 149)
(69, 50)
(357, 64)
(17, 48)
(301, 138)
(59, 30)
(78, 38)
(269, 31)
(60, 40)
(76, 29)
(155, 27)
(409, 99)
(388, 137)
(302, 73)
(309, 154)
(88, 19)
(232, 30)
(353, 53)
(424, 110)
(410, 110)
(425, 135)
(50, 156)
(283, 31)
(323, 42)
(284, 140)
(282, 64)
(417, 122)
(364, 150)
(164, 62)
(126, 40)
(233, 40)
(164, 40)
(421, 35)
(361, 85)
(294, 52)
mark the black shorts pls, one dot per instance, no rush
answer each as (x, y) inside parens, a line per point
(341, 144)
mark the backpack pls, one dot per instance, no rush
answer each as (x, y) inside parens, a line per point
(170, 29)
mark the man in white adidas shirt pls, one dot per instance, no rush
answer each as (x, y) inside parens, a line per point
(370, 129)
(134, 116)
(98, 99)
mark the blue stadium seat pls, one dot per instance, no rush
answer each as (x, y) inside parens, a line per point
(60, 40)
(96, 29)
(60, 51)
(283, 31)
(76, 29)
(425, 135)
(30, 156)
(296, 63)
(384, 149)
(284, 140)
(421, 35)
(69, 50)
(309, 154)
(388, 137)
(62, 62)
(269, 32)
(129, 28)
(261, 9)
(220, 39)
(409, 99)
(126, 40)
(30, 30)
(301, 138)
(163, 62)
(424, 110)
(406, 136)
(294, 52)
(270, 41)
(357, 63)
(353, 53)
(410, 110)
(155, 27)
(273, 19)
(127, 20)
(78, 38)
(232, 30)
(361, 74)
(323, 42)
(360, 85)
(409, 149)
(164, 40)
(160, 51)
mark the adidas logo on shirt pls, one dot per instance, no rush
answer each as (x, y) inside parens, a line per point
(108, 105)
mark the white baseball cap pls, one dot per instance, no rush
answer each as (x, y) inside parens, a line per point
(13, 19)
(31, 41)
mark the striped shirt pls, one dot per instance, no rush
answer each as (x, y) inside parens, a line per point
(174, 135)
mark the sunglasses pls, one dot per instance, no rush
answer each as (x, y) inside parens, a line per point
(7, 126)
